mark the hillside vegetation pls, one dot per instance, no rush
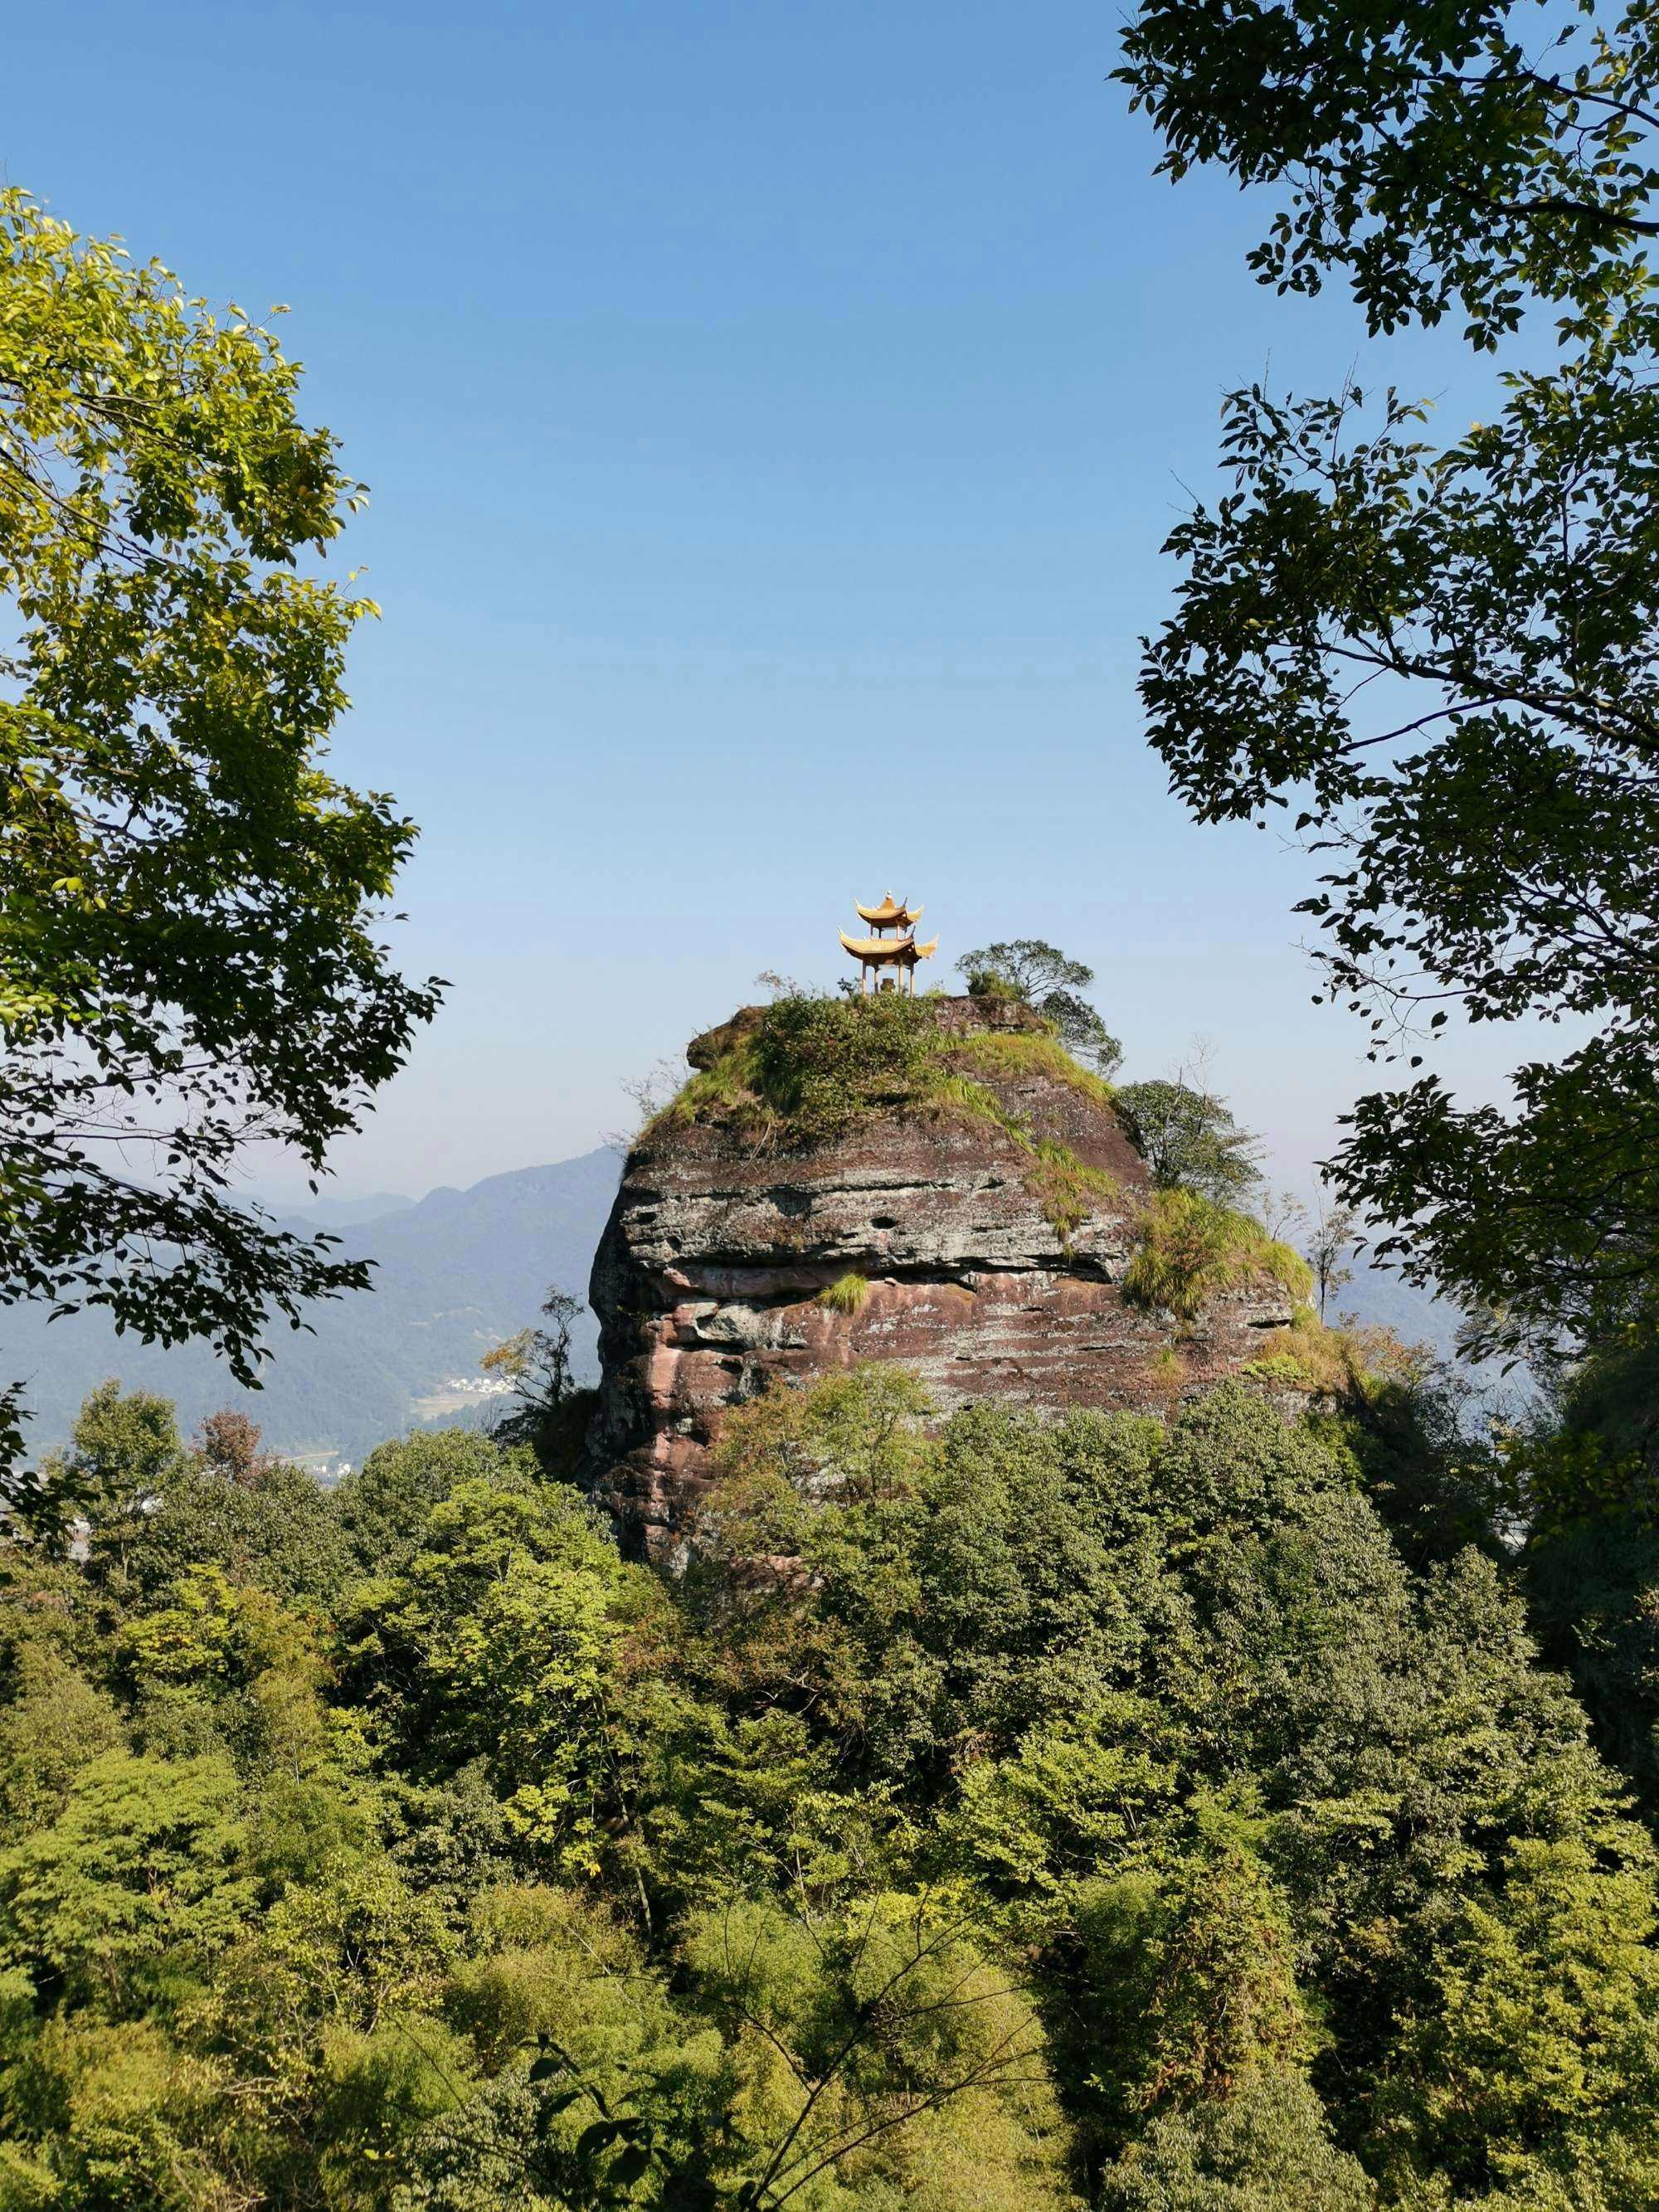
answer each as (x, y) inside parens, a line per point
(813, 1064)
(1106, 1814)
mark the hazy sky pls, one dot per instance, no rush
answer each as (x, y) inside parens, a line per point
(772, 413)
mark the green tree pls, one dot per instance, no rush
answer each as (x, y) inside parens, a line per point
(123, 1450)
(1476, 158)
(1189, 1139)
(383, 1505)
(597, 2080)
(1044, 978)
(54, 1724)
(275, 1529)
(551, 1413)
(1224, 2002)
(879, 2046)
(1384, 634)
(101, 2113)
(189, 952)
(381, 2089)
(506, 1635)
(1173, 1702)
(1578, 1476)
(993, 1810)
(142, 1878)
(1267, 2149)
(1534, 2067)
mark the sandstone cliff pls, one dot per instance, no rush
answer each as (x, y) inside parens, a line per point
(978, 1223)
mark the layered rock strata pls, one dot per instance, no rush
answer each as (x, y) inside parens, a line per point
(709, 1280)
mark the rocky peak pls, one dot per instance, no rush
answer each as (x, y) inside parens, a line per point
(943, 1186)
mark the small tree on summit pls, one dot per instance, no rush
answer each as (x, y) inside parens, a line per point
(1042, 976)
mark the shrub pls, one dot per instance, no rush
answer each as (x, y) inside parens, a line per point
(1191, 1248)
(986, 983)
(1168, 1369)
(847, 1294)
(819, 1062)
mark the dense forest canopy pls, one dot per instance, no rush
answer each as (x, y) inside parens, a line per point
(1118, 1813)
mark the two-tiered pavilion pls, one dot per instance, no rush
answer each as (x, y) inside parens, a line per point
(891, 958)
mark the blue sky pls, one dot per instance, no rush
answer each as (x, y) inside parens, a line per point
(772, 414)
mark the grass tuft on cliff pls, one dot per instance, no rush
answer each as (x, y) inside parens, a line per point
(847, 1294)
(725, 1088)
(1066, 1188)
(1350, 1361)
(1191, 1248)
(1011, 1053)
(947, 1092)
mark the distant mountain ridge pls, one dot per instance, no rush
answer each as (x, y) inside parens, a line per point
(1382, 1299)
(327, 1211)
(455, 1273)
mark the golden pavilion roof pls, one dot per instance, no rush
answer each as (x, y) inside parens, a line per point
(892, 914)
(881, 951)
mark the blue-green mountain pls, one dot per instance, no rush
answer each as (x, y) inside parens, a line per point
(453, 1275)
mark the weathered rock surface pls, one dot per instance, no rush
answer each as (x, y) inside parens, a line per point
(708, 1280)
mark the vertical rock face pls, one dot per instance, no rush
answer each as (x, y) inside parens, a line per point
(709, 1280)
